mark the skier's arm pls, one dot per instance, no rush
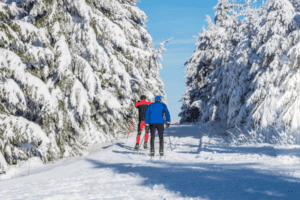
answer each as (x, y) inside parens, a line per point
(167, 114)
(147, 117)
(136, 106)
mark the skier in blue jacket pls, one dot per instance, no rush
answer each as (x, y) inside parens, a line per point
(154, 120)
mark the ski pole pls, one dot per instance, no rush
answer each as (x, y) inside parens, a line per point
(128, 134)
(142, 138)
(170, 143)
(141, 144)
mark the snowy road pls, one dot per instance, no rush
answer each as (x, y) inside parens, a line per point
(217, 172)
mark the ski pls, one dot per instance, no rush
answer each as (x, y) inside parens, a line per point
(140, 150)
(152, 154)
(161, 155)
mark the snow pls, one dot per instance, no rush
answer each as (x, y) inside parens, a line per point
(79, 99)
(2, 59)
(110, 100)
(31, 132)
(16, 66)
(39, 92)
(62, 50)
(29, 31)
(3, 164)
(85, 73)
(12, 92)
(196, 165)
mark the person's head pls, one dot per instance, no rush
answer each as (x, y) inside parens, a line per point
(143, 97)
(157, 98)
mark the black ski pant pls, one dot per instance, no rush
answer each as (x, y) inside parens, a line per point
(160, 129)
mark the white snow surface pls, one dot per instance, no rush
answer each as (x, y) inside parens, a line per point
(195, 166)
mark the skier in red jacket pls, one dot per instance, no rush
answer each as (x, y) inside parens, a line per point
(142, 107)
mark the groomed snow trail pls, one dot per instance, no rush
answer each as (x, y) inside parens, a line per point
(195, 169)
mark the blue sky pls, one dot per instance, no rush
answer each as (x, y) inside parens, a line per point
(181, 20)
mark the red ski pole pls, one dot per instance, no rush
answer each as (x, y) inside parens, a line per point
(128, 134)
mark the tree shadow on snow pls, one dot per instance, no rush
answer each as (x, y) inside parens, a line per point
(212, 181)
(131, 152)
(269, 151)
(195, 132)
(265, 150)
(121, 144)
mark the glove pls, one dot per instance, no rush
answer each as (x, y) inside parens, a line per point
(147, 127)
(168, 124)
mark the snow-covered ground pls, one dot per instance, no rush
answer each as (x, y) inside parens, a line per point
(194, 167)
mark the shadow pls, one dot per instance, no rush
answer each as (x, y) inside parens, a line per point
(200, 144)
(198, 133)
(132, 152)
(119, 144)
(236, 181)
(288, 152)
(268, 150)
(106, 147)
(188, 152)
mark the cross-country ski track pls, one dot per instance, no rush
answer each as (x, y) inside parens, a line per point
(194, 167)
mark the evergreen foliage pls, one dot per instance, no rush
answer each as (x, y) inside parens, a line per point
(245, 69)
(70, 73)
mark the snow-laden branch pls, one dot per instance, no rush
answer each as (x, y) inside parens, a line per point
(160, 49)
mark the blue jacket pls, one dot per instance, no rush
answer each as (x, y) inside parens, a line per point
(154, 113)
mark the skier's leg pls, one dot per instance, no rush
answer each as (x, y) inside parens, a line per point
(146, 136)
(138, 137)
(160, 128)
(139, 133)
(152, 130)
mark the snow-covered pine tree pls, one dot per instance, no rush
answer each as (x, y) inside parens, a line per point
(232, 80)
(70, 73)
(214, 48)
(275, 95)
(258, 84)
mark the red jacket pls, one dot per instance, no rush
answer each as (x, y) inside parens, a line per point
(142, 107)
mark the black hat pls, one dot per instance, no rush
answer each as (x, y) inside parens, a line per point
(143, 97)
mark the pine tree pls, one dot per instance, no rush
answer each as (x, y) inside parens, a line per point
(276, 46)
(255, 86)
(70, 74)
(213, 51)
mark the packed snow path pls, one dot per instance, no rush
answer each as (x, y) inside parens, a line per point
(195, 169)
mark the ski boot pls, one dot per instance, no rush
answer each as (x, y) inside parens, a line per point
(152, 153)
(161, 151)
(137, 146)
(145, 145)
